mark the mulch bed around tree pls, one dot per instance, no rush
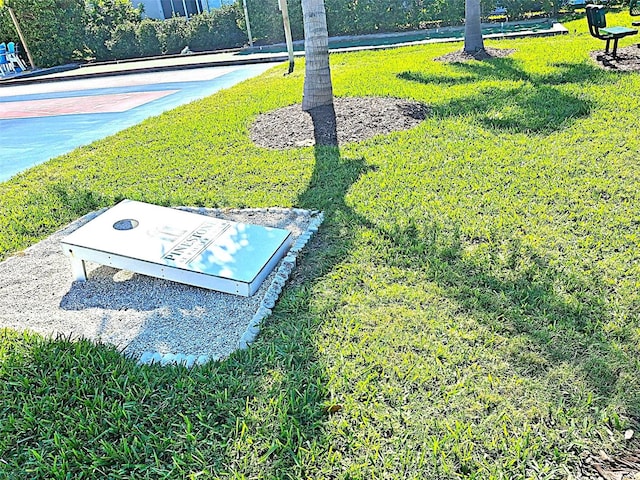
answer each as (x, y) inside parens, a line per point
(461, 56)
(628, 59)
(352, 119)
(355, 119)
(604, 467)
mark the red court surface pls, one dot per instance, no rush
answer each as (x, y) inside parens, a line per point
(109, 103)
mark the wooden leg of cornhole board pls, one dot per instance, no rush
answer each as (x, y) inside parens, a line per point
(78, 269)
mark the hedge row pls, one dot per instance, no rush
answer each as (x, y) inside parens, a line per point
(215, 31)
(354, 17)
(62, 31)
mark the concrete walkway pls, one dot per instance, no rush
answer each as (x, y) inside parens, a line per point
(152, 64)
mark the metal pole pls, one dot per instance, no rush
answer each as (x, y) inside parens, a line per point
(287, 31)
(22, 40)
(246, 19)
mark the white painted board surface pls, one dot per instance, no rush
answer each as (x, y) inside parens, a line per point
(182, 246)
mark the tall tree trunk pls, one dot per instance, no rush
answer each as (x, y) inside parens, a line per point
(14, 19)
(318, 90)
(472, 29)
(284, 8)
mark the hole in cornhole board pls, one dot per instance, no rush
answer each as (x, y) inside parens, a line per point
(127, 224)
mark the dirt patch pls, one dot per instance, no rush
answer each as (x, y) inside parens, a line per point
(604, 467)
(461, 56)
(627, 60)
(352, 119)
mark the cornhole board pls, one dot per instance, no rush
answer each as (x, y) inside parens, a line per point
(181, 246)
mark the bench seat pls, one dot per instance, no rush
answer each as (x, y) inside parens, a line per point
(596, 18)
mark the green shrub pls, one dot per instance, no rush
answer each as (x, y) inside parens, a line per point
(200, 32)
(266, 20)
(101, 20)
(124, 42)
(149, 40)
(53, 28)
(226, 29)
(7, 30)
(174, 33)
(215, 30)
(95, 41)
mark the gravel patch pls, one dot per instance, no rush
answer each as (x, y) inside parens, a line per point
(147, 319)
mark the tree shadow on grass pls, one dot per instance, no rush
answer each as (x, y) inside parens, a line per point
(517, 293)
(535, 106)
(302, 391)
(524, 109)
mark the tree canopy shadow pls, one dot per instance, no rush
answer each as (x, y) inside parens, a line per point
(299, 402)
(524, 109)
(537, 105)
(559, 312)
(302, 393)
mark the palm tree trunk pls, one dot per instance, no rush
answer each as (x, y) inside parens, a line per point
(318, 90)
(472, 29)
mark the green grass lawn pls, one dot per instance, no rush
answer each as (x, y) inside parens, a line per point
(471, 303)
